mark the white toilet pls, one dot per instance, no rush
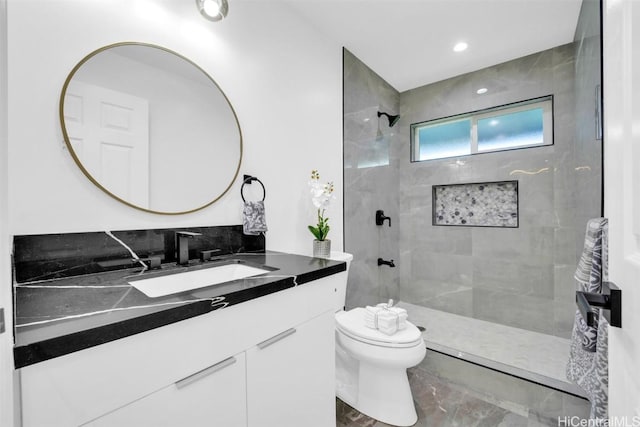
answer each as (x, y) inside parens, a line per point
(371, 367)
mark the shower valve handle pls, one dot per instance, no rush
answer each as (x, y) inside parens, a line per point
(381, 218)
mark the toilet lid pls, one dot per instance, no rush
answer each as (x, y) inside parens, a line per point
(352, 323)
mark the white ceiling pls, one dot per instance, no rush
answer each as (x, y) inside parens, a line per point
(409, 42)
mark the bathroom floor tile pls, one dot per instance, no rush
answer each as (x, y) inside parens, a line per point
(346, 416)
(440, 403)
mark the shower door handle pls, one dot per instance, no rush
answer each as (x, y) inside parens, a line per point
(610, 300)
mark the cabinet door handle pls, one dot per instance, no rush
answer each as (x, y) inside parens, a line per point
(282, 335)
(206, 371)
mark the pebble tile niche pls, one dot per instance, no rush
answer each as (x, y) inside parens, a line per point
(486, 204)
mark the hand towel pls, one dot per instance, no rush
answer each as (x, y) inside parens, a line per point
(590, 371)
(388, 320)
(253, 218)
(375, 316)
(588, 364)
(589, 275)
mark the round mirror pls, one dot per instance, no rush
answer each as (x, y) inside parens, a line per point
(150, 128)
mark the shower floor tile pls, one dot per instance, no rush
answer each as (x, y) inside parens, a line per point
(526, 354)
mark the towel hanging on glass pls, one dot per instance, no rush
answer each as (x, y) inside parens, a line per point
(588, 364)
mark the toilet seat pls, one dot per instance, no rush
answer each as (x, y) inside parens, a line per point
(352, 324)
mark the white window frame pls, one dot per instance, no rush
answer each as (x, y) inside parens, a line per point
(545, 103)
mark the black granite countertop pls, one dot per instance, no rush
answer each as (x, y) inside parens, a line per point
(61, 316)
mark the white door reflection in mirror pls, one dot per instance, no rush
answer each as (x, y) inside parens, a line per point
(109, 131)
(194, 145)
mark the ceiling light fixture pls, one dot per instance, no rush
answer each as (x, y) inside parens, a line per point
(482, 90)
(213, 10)
(461, 46)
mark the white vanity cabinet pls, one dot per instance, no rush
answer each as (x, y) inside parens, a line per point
(215, 396)
(148, 379)
(286, 381)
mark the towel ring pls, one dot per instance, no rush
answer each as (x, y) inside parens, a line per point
(248, 179)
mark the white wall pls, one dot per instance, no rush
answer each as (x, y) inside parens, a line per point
(621, 92)
(6, 301)
(282, 77)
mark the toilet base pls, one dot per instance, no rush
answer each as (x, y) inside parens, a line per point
(385, 395)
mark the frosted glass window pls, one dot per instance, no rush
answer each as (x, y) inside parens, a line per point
(448, 139)
(519, 125)
(512, 130)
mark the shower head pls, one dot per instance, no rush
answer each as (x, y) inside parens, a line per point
(392, 119)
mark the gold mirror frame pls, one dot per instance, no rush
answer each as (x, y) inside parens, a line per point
(88, 174)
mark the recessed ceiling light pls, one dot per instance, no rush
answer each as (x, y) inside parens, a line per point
(459, 47)
(482, 90)
(213, 10)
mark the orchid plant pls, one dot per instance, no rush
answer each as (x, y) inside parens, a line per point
(321, 196)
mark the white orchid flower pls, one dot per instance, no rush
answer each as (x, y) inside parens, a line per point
(321, 197)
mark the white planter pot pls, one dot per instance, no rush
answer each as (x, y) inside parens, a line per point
(321, 248)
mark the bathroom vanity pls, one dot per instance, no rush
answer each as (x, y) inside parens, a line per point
(257, 351)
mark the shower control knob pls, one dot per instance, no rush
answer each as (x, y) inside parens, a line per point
(381, 218)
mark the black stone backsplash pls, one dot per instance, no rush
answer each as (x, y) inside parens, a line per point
(51, 256)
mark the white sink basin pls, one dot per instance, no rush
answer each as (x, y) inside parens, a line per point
(173, 283)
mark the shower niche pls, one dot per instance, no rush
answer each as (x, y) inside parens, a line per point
(485, 204)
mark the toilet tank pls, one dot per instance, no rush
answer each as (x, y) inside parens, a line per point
(341, 289)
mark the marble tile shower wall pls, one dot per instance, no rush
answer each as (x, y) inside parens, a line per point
(371, 183)
(587, 77)
(520, 277)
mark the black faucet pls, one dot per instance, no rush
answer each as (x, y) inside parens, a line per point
(206, 255)
(384, 262)
(381, 218)
(182, 245)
